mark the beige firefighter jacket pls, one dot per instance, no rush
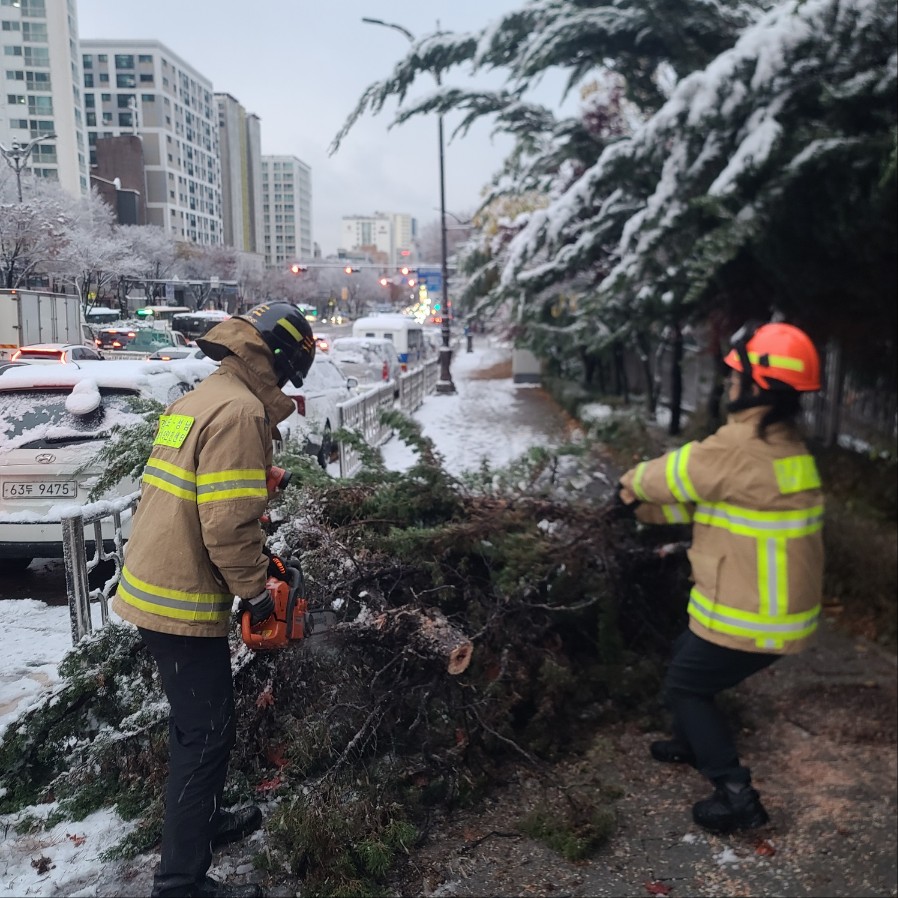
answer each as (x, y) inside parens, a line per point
(757, 544)
(196, 540)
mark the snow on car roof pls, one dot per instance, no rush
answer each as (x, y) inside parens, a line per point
(122, 374)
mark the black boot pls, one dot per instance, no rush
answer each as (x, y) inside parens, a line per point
(670, 751)
(732, 806)
(212, 889)
(236, 825)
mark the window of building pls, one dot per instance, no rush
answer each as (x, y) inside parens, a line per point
(102, 57)
(124, 101)
(144, 57)
(35, 9)
(148, 98)
(38, 56)
(126, 80)
(91, 118)
(88, 79)
(104, 78)
(40, 105)
(15, 99)
(34, 31)
(90, 101)
(12, 51)
(10, 26)
(15, 76)
(40, 126)
(125, 119)
(107, 118)
(87, 61)
(19, 123)
(147, 78)
(106, 98)
(124, 61)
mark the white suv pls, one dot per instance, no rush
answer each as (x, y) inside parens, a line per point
(53, 420)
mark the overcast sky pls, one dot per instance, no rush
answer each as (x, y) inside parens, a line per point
(301, 65)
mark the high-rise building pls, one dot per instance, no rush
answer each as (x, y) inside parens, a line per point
(141, 87)
(241, 175)
(387, 237)
(287, 208)
(42, 90)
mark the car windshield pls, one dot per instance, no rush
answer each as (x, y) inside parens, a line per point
(39, 419)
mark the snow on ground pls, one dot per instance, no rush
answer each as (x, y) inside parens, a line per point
(485, 418)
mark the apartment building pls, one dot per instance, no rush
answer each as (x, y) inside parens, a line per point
(287, 210)
(141, 87)
(241, 175)
(387, 237)
(42, 93)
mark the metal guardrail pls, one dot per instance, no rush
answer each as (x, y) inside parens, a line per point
(78, 566)
(362, 415)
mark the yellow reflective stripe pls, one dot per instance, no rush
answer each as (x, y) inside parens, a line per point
(287, 326)
(231, 474)
(760, 524)
(676, 514)
(170, 478)
(767, 631)
(637, 482)
(174, 603)
(778, 361)
(796, 473)
(235, 483)
(678, 480)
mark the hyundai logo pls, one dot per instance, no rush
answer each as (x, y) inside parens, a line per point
(45, 458)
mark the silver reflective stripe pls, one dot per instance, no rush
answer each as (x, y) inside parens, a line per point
(224, 485)
(717, 514)
(187, 485)
(206, 602)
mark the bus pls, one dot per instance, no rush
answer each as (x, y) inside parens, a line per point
(406, 334)
(310, 313)
(154, 314)
(195, 324)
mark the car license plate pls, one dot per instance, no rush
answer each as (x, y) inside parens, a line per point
(40, 489)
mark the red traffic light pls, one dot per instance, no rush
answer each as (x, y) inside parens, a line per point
(350, 270)
(296, 268)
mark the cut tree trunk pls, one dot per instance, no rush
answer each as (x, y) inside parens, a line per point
(426, 632)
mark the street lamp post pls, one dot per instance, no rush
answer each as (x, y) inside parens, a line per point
(444, 384)
(17, 156)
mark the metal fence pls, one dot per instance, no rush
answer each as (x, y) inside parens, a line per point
(104, 518)
(78, 565)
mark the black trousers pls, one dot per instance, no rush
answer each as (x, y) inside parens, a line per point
(196, 676)
(698, 671)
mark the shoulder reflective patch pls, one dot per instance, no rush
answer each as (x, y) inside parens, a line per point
(173, 430)
(796, 473)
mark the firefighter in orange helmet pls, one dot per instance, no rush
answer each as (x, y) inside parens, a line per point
(753, 495)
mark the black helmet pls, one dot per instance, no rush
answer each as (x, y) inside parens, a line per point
(289, 337)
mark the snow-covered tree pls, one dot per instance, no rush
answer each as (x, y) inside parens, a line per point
(758, 173)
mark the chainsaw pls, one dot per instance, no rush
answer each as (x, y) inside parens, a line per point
(291, 621)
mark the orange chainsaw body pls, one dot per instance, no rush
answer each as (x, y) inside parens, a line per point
(288, 623)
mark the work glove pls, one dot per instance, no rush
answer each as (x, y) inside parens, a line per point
(260, 608)
(618, 509)
(277, 567)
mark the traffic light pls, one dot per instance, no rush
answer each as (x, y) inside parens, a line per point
(350, 270)
(296, 268)
(404, 271)
(384, 282)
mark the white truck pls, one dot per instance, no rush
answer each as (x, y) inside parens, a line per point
(35, 316)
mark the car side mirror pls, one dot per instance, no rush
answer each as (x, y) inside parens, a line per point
(352, 382)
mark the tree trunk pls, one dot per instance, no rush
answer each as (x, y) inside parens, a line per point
(676, 381)
(426, 633)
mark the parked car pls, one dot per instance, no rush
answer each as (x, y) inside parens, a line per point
(316, 416)
(146, 341)
(176, 353)
(53, 420)
(368, 359)
(56, 353)
(117, 337)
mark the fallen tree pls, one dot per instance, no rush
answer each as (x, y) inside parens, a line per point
(475, 621)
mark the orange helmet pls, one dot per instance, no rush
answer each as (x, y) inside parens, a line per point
(776, 356)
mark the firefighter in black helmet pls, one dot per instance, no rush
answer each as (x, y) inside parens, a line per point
(196, 543)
